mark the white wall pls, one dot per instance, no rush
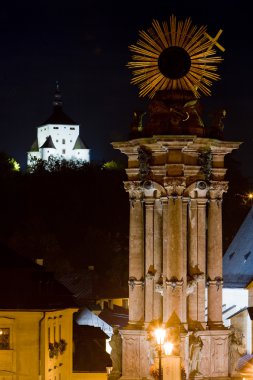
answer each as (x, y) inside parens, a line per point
(233, 300)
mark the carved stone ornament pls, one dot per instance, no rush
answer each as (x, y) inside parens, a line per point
(132, 282)
(217, 188)
(192, 282)
(174, 186)
(143, 158)
(159, 288)
(135, 189)
(174, 283)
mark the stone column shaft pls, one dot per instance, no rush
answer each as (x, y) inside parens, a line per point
(174, 273)
(193, 257)
(149, 259)
(164, 266)
(136, 263)
(201, 285)
(184, 260)
(158, 252)
(214, 262)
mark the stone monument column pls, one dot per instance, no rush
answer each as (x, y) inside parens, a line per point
(192, 261)
(184, 259)
(214, 253)
(174, 263)
(158, 262)
(149, 259)
(136, 254)
(201, 283)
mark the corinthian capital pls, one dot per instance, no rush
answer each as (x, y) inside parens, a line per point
(135, 189)
(174, 186)
(217, 188)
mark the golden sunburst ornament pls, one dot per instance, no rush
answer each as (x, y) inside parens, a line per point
(182, 58)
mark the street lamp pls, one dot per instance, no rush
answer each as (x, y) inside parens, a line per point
(160, 336)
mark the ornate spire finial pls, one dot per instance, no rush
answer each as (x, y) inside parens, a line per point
(57, 102)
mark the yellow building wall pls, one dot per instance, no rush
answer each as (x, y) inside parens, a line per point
(89, 376)
(28, 355)
(21, 360)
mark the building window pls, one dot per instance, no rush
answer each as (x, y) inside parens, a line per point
(72, 128)
(63, 141)
(57, 140)
(70, 140)
(4, 338)
(56, 127)
(63, 151)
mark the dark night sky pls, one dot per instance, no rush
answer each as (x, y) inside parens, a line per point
(84, 45)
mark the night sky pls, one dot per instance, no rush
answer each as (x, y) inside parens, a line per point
(84, 45)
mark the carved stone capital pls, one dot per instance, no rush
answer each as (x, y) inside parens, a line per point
(174, 186)
(217, 281)
(174, 283)
(135, 189)
(217, 188)
(133, 282)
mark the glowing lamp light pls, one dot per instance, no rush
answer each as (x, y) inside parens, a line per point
(250, 196)
(168, 348)
(160, 335)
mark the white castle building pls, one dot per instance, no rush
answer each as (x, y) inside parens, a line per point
(58, 137)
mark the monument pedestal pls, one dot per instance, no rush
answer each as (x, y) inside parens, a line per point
(136, 354)
(209, 360)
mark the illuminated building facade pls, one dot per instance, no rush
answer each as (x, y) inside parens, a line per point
(58, 137)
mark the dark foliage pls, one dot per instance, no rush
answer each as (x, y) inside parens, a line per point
(72, 218)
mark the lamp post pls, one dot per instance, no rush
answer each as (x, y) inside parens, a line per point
(160, 336)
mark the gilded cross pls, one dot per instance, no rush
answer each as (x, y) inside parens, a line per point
(215, 40)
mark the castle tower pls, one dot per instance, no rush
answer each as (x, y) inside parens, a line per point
(58, 137)
(176, 180)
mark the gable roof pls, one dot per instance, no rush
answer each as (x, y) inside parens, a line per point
(79, 144)
(238, 259)
(48, 143)
(35, 146)
(59, 117)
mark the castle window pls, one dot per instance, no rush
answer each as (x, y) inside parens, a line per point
(72, 128)
(56, 127)
(63, 141)
(4, 338)
(57, 140)
(63, 151)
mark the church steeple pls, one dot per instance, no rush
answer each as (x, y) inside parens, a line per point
(57, 102)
